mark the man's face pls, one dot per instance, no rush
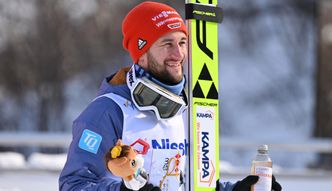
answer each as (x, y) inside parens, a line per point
(164, 60)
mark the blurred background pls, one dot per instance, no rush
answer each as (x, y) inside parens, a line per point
(275, 84)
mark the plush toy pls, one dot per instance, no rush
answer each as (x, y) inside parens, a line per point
(125, 162)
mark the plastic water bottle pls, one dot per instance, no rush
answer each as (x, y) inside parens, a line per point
(262, 167)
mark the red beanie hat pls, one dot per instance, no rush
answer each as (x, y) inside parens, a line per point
(146, 23)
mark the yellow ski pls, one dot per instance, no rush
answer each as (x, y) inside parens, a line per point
(202, 21)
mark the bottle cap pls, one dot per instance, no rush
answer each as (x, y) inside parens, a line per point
(263, 148)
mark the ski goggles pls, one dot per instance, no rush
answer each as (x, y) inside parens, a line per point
(147, 95)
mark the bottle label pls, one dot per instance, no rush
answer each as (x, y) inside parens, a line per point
(265, 178)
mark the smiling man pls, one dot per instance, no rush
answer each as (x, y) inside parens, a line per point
(144, 106)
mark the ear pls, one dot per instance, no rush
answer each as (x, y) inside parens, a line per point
(143, 61)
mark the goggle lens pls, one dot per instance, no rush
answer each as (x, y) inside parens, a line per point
(144, 96)
(167, 108)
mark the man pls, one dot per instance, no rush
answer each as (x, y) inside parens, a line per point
(144, 106)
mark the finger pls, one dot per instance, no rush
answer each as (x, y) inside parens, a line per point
(155, 189)
(276, 186)
(217, 188)
(147, 187)
(250, 180)
(246, 183)
(124, 188)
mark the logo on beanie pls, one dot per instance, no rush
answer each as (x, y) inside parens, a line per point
(164, 14)
(141, 43)
(174, 25)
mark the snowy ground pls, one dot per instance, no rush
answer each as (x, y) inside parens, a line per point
(28, 181)
(38, 180)
(39, 172)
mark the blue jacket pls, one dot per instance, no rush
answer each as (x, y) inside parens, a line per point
(94, 132)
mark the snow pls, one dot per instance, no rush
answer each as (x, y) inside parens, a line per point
(11, 160)
(36, 161)
(47, 161)
(28, 180)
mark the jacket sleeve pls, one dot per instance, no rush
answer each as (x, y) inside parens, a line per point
(94, 132)
(225, 186)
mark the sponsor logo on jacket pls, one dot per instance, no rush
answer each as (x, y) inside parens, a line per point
(167, 144)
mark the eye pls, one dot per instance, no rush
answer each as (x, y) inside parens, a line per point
(133, 163)
(167, 44)
(183, 43)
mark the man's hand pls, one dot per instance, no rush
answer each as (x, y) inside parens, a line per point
(247, 182)
(275, 185)
(146, 187)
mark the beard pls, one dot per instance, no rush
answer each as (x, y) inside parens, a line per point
(161, 71)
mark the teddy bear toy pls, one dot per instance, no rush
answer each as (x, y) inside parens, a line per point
(123, 161)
